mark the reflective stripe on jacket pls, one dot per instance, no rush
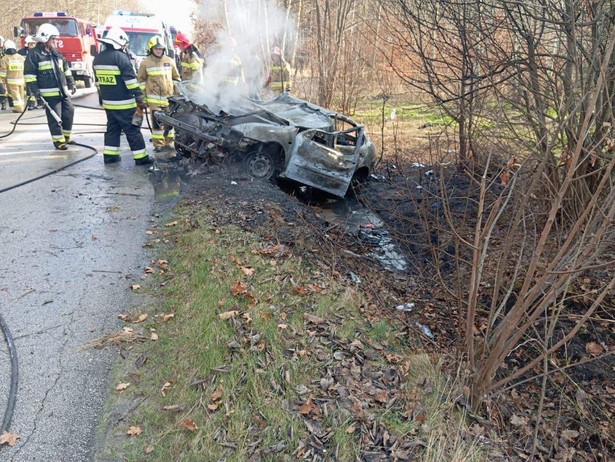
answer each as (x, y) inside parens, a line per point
(191, 65)
(116, 79)
(47, 72)
(11, 69)
(156, 76)
(280, 76)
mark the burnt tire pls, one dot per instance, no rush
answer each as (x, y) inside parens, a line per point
(263, 164)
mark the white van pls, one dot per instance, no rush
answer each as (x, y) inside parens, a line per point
(140, 28)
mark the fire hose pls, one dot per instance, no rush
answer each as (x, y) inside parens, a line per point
(12, 396)
(57, 118)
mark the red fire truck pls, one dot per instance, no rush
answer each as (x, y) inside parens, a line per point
(77, 41)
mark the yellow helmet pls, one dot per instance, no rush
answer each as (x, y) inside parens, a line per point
(155, 42)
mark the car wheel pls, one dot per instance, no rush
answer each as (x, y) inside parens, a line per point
(87, 81)
(263, 165)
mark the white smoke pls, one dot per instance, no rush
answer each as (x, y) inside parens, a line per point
(251, 29)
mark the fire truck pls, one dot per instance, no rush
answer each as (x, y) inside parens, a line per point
(77, 40)
(140, 28)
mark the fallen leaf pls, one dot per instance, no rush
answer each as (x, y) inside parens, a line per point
(142, 317)
(217, 394)
(134, 431)
(351, 428)
(172, 223)
(124, 317)
(166, 317)
(228, 314)
(505, 177)
(154, 336)
(313, 319)
(283, 326)
(247, 271)
(310, 407)
(122, 386)
(149, 449)
(149, 269)
(165, 388)
(135, 287)
(239, 288)
(171, 407)
(594, 349)
(189, 424)
(9, 438)
(570, 435)
(518, 421)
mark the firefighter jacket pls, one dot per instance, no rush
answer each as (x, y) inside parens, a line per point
(156, 76)
(234, 76)
(11, 69)
(116, 79)
(47, 72)
(279, 77)
(191, 64)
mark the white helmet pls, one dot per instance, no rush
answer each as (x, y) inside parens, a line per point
(29, 39)
(115, 37)
(45, 32)
(10, 44)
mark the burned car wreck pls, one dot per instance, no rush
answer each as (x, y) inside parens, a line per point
(280, 138)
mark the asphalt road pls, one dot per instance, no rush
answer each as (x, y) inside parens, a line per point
(71, 248)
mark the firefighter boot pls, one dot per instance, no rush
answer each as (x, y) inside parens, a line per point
(111, 159)
(144, 161)
(4, 104)
(61, 145)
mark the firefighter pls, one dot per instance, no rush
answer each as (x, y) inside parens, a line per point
(191, 59)
(234, 76)
(11, 72)
(278, 80)
(2, 87)
(30, 43)
(156, 75)
(121, 95)
(48, 76)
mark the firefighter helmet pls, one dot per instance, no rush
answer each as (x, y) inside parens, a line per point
(155, 42)
(45, 32)
(276, 51)
(10, 45)
(182, 41)
(29, 40)
(115, 37)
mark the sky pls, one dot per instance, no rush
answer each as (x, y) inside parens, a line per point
(174, 12)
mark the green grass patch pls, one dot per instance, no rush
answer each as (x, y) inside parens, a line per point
(262, 358)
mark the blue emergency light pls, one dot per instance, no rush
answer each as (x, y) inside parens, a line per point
(47, 13)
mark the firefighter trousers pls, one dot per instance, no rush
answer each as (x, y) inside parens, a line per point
(119, 121)
(18, 94)
(162, 135)
(63, 107)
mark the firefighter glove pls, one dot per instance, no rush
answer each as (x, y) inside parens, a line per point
(141, 102)
(73, 88)
(39, 98)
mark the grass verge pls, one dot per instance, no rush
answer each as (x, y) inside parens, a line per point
(255, 354)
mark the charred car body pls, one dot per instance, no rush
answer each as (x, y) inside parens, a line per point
(284, 137)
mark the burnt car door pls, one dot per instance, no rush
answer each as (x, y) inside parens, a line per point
(325, 160)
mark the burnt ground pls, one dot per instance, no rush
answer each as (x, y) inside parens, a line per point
(354, 246)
